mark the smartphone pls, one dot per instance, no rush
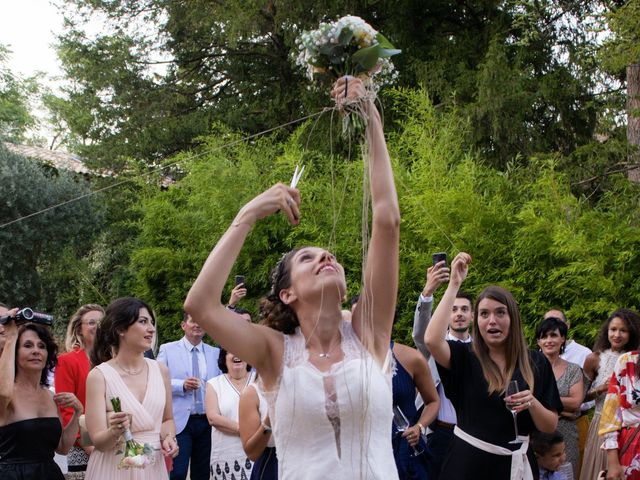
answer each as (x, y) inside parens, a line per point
(438, 257)
(239, 279)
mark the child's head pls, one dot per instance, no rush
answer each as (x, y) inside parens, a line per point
(549, 449)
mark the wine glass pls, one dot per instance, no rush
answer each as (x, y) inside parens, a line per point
(512, 389)
(402, 423)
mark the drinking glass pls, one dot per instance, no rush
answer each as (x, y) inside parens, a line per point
(512, 389)
(402, 423)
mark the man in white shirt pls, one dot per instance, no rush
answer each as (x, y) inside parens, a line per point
(575, 353)
(191, 363)
(441, 434)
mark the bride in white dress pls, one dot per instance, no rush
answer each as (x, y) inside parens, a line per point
(327, 381)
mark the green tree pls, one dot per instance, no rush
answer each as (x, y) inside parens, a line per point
(522, 71)
(37, 248)
(15, 113)
(523, 226)
(621, 53)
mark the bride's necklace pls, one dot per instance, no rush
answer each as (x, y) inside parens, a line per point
(129, 371)
(328, 353)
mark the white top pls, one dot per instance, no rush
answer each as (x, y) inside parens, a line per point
(334, 424)
(575, 353)
(226, 446)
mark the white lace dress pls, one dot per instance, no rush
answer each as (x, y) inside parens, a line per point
(334, 424)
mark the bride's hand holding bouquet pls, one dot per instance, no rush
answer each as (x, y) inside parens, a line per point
(352, 49)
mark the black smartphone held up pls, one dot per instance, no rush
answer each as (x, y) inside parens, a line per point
(239, 279)
(438, 257)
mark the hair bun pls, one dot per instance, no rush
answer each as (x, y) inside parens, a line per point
(274, 313)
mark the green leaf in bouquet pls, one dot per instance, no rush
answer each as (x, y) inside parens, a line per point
(336, 55)
(383, 41)
(345, 36)
(389, 52)
(325, 48)
(320, 63)
(366, 58)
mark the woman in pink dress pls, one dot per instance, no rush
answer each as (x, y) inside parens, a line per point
(141, 384)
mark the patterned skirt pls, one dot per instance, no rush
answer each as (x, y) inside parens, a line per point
(77, 460)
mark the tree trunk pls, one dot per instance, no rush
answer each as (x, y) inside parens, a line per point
(633, 119)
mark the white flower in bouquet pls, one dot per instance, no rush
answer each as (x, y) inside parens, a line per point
(348, 46)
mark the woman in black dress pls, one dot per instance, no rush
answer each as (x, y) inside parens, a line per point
(475, 378)
(30, 428)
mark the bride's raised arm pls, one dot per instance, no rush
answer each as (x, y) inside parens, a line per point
(260, 346)
(378, 298)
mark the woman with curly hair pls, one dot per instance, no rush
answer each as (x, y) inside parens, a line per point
(620, 333)
(327, 380)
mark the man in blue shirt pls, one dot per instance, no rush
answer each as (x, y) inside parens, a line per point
(191, 363)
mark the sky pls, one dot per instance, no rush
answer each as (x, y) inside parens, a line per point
(28, 27)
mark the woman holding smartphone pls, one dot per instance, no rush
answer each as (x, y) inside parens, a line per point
(500, 389)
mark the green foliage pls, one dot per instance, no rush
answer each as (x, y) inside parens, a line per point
(15, 115)
(39, 254)
(524, 72)
(524, 227)
(623, 47)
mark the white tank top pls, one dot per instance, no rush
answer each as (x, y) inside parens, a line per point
(334, 424)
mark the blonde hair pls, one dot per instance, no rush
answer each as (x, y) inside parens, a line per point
(73, 339)
(516, 349)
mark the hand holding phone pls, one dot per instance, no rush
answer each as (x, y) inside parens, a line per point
(239, 291)
(439, 257)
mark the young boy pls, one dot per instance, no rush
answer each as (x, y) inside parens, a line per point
(549, 449)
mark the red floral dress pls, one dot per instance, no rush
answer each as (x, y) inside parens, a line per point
(621, 413)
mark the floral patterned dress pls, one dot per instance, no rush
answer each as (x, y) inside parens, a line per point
(621, 414)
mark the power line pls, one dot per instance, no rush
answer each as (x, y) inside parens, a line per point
(160, 168)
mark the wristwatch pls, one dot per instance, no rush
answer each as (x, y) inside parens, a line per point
(265, 429)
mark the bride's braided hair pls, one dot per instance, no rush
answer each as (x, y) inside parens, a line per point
(274, 313)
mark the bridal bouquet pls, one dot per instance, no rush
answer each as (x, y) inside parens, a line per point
(348, 46)
(135, 455)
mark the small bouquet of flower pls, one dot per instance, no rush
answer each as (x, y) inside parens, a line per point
(135, 455)
(348, 46)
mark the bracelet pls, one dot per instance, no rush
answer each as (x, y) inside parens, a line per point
(421, 426)
(169, 435)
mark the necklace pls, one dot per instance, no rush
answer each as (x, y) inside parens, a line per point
(128, 371)
(327, 354)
